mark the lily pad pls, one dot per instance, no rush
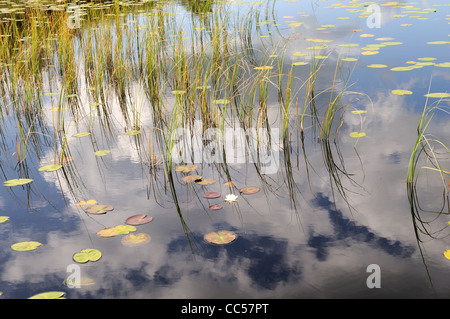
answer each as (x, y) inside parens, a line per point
(4, 219)
(249, 190)
(215, 207)
(438, 95)
(131, 133)
(211, 195)
(205, 182)
(186, 168)
(17, 182)
(222, 237)
(138, 219)
(447, 254)
(102, 153)
(191, 178)
(82, 134)
(99, 209)
(377, 66)
(26, 245)
(50, 167)
(357, 134)
(86, 255)
(221, 101)
(117, 230)
(401, 92)
(135, 240)
(264, 67)
(49, 295)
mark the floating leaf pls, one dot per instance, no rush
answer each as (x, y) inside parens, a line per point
(249, 190)
(50, 167)
(221, 101)
(402, 68)
(357, 134)
(99, 209)
(264, 67)
(17, 182)
(178, 92)
(186, 168)
(359, 111)
(221, 237)
(211, 195)
(134, 240)
(138, 219)
(49, 295)
(206, 182)
(349, 59)
(4, 219)
(102, 153)
(369, 52)
(82, 134)
(133, 132)
(117, 230)
(299, 63)
(298, 53)
(401, 92)
(191, 178)
(26, 245)
(86, 255)
(447, 254)
(229, 184)
(439, 42)
(438, 95)
(348, 45)
(377, 66)
(215, 207)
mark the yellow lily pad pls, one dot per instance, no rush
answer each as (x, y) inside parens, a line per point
(357, 134)
(438, 95)
(4, 219)
(50, 167)
(49, 295)
(401, 92)
(17, 182)
(26, 245)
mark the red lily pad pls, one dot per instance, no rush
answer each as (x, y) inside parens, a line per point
(138, 219)
(191, 178)
(211, 195)
(222, 237)
(249, 190)
(215, 207)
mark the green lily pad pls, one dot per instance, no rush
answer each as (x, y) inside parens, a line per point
(49, 295)
(357, 134)
(221, 101)
(99, 209)
(401, 92)
(131, 133)
(17, 182)
(249, 190)
(4, 219)
(117, 230)
(135, 240)
(438, 95)
(86, 255)
(222, 237)
(26, 245)
(82, 134)
(102, 153)
(50, 167)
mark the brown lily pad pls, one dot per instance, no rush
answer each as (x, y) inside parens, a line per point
(135, 240)
(191, 178)
(117, 230)
(138, 219)
(205, 182)
(99, 209)
(222, 237)
(211, 195)
(249, 190)
(215, 207)
(186, 168)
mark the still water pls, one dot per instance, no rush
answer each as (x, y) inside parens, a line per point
(325, 211)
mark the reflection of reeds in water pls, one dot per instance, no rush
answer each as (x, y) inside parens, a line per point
(425, 156)
(207, 68)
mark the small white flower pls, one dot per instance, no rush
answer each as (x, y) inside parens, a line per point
(230, 198)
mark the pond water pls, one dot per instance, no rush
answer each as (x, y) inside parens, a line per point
(267, 94)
